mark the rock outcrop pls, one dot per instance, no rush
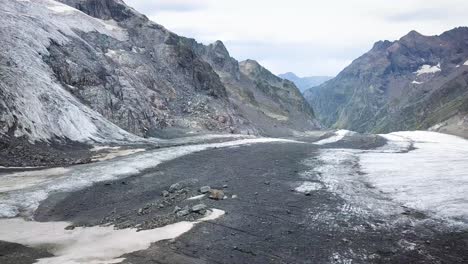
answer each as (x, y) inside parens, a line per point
(417, 82)
(97, 70)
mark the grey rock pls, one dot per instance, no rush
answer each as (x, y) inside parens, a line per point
(205, 189)
(183, 212)
(199, 208)
(176, 187)
(176, 209)
(165, 193)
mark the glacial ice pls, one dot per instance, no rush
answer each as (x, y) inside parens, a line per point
(432, 178)
(425, 171)
(44, 110)
(338, 135)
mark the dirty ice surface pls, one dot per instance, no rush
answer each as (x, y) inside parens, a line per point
(431, 178)
(426, 171)
(25, 190)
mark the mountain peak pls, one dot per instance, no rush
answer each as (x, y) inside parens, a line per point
(382, 44)
(219, 49)
(289, 75)
(412, 35)
(103, 9)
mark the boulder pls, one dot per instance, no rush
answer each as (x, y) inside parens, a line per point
(199, 208)
(205, 189)
(216, 194)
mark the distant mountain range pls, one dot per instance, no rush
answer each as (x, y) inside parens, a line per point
(304, 83)
(416, 82)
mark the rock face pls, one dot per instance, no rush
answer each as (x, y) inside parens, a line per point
(275, 106)
(417, 82)
(304, 83)
(97, 70)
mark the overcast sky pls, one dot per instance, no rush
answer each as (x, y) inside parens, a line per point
(308, 37)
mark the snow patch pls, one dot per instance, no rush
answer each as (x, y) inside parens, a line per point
(114, 153)
(111, 53)
(99, 148)
(61, 8)
(466, 63)
(426, 69)
(338, 135)
(416, 82)
(90, 244)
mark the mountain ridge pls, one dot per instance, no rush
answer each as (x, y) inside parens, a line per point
(416, 82)
(109, 73)
(304, 83)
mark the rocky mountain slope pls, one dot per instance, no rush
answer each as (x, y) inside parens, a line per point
(416, 82)
(304, 83)
(92, 70)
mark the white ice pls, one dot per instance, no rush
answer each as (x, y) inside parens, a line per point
(197, 197)
(26, 190)
(426, 69)
(307, 186)
(60, 8)
(61, 115)
(431, 178)
(90, 244)
(338, 135)
(423, 170)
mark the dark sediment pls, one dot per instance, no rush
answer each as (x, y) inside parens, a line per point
(19, 152)
(266, 223)
(12, 253)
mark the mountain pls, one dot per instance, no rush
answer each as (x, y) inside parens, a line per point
(304, 83)
(416, 82)
(97, 70)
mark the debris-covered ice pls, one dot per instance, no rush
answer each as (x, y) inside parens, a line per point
(26, 190)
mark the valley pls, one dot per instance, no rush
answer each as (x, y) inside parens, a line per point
(284, 200)
(124, 142)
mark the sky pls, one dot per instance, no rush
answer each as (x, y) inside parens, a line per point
(307, 37)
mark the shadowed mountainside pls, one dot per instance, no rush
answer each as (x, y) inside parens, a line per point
(417, 82)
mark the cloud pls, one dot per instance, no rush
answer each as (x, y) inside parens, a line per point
(146, 6)
(309, 37)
